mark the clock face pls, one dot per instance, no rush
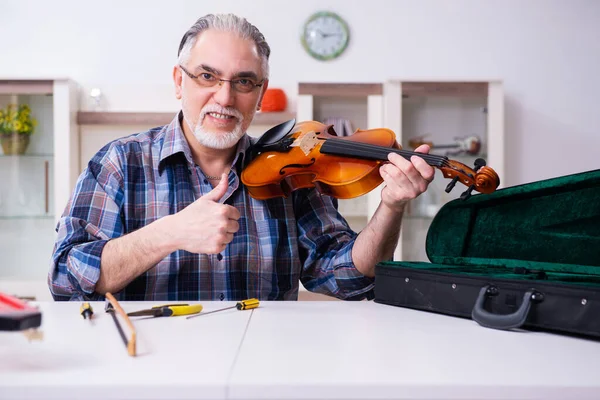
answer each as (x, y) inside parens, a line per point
(325, 35)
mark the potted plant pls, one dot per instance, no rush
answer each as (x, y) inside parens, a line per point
(16, 127)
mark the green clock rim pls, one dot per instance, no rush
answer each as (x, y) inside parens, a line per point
(344, 26)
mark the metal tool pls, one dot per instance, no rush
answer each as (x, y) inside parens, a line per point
(168, 310)
(112, 307)
(241, 305)
(86, 310)
(109, 308)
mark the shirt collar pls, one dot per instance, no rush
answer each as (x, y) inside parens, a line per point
(174, 142)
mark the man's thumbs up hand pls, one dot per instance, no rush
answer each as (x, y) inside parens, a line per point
(206, 226)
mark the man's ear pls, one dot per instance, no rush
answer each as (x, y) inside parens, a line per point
(177, 77)
(262, 93)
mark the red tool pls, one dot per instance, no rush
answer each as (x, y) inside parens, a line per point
(17, 315)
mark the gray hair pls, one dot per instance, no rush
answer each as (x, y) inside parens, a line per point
(227, 23)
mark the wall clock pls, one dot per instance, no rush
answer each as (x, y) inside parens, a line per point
(325, 35)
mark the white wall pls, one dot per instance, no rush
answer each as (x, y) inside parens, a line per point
(546, 51)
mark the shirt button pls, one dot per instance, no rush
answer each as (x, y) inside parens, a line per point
(219, 256)
(205, 182)
(222, 296)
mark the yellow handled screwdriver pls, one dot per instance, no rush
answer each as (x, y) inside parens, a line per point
(241, 305)
(168, 310)
(86, 310)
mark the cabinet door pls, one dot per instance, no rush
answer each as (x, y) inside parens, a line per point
(460, 120)
(30, 174)
(26, 187)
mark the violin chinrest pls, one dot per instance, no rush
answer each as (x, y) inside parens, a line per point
(269, 138)
(275, 134)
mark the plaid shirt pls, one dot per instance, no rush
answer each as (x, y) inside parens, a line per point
(136, 180)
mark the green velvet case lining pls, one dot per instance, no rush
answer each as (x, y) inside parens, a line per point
(547, 230)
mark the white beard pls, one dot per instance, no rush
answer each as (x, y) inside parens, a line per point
(216, 140)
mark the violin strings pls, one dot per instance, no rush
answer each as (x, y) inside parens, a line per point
(429, 158)
(385, 150)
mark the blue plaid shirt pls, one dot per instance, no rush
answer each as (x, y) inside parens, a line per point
(136, 180)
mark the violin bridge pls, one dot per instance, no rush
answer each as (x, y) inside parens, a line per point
(306, 142)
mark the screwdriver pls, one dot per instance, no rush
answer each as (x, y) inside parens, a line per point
(241, 305)
(86, 310)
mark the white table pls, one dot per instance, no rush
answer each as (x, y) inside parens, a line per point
(295, 350)
(177, 358)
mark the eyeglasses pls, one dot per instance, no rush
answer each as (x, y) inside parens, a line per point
(111, 305)
(241, 85)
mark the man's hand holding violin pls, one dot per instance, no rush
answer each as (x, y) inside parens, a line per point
(404, 179)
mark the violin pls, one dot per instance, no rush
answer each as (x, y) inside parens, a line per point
(309, 154)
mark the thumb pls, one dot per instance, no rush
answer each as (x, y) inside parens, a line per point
(219, 190)
(424, 148)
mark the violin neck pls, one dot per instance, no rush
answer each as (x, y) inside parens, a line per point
(366, 151)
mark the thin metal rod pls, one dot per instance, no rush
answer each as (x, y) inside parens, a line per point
(112, 313)
(210, 312)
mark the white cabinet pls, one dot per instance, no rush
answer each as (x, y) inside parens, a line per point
(463, 121)
(35, 185)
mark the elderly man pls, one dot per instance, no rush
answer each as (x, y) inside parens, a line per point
(163, 214)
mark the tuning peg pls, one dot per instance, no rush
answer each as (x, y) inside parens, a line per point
(467, 193)
(480, 162)
(451, 184)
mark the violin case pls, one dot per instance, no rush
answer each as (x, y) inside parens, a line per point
(522, 258)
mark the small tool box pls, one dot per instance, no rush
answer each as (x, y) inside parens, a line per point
(526, 257)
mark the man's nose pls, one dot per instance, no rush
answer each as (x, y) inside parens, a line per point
(224, 94)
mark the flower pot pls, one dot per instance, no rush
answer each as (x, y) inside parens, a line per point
(14, 143)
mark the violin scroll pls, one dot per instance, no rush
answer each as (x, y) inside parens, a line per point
(482, 179)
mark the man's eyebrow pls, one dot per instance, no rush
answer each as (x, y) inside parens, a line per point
(208, 69)
(247, 74)
(214, 71)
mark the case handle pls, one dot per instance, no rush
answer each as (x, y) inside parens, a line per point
(503, 321)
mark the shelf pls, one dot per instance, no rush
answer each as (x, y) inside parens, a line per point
(19, 86)
(163, 118)
(340, 89)
(25, 217)
(451, 89)
(13, 156)
(123, 118)
(272, 118)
